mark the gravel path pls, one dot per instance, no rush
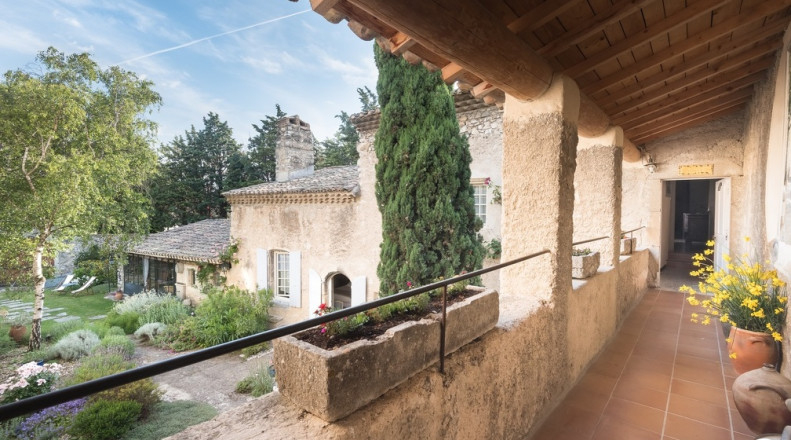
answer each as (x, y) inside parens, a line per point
(212, 381)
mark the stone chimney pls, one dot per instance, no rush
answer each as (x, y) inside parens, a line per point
(294, 156)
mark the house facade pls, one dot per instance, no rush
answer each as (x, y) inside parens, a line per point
(169, 261)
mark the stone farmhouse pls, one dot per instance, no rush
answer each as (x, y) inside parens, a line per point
(313, 236)
(666, 115)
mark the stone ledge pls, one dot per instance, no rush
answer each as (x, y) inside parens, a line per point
(332, 384)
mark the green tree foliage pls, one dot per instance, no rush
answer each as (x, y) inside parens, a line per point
(193, 175)
(368, 99)
(261, 148)
(423, 187)
(75, 144)
(341, 149)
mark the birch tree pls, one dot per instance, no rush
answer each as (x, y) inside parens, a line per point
(76, 146)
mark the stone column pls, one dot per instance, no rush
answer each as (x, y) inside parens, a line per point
(539, 150)
(597, 193)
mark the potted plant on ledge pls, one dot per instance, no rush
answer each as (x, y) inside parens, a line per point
(584, 263)
(747, 296)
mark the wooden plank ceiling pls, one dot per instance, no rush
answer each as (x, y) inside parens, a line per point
(654, 67)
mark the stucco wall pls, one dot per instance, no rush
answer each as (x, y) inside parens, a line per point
(497, 387)
(718, 143)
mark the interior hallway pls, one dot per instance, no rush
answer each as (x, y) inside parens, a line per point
(661, 377)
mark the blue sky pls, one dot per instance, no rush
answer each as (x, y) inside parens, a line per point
(304, 63)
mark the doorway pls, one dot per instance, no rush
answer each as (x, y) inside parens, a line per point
(340, 291)
(693, 212)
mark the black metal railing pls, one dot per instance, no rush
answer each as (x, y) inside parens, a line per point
(84, 389)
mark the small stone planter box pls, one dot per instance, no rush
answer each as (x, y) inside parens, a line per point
(628, 245)
(332, 384)
(584, 266)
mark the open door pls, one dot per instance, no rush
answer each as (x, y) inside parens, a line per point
(722, 221)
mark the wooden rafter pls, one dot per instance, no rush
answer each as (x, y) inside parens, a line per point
(690, 64)
(700, 93)
(680, 118)
(724, 28)
(540, 15)
(643, 138)
(674, 21)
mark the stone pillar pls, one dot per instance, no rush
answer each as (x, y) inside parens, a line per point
(539, 150)
(597, 193)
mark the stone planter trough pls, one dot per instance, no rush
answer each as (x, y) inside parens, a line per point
(628, 245)
(332, 384)
(584, 266)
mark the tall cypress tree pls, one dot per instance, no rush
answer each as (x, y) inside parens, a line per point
(423, 186)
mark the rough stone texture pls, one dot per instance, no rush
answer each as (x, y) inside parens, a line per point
(539, 154)
(634, 276)
(500, 386)
(294, 154)
(584, 266)
(628, 245)
(597, 199)
(332, 384)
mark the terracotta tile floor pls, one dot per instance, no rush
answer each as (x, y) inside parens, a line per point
(661, 377)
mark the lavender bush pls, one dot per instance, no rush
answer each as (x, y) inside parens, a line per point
(51, 422)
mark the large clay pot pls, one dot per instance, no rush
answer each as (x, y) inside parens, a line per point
(119, 295)
(760, 398)
(17, 333)
(752, 349)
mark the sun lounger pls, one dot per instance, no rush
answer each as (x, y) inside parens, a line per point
(65, 283)
(85, 286)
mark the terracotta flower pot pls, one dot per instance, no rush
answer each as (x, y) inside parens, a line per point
(752, 350)
(17, 333)
(760, 396)
(119, 295)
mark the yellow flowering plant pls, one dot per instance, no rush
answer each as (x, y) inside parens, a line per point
(745, 294)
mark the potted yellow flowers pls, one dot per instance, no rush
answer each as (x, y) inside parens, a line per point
(746, 295)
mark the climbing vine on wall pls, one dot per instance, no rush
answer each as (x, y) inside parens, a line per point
(210, 275)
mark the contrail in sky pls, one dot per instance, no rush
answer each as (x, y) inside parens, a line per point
(190, 43)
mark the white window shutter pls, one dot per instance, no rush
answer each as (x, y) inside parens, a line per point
(295, 279)
(358, 291)
(314, 292)
(262, 269)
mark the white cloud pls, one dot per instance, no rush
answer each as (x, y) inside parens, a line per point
(20, 39)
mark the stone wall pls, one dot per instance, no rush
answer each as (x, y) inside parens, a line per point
(500, 386)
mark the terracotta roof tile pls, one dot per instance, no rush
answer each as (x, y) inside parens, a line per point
(201, 241)
(331, 179)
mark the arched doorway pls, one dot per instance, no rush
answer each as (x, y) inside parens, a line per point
(340, 290)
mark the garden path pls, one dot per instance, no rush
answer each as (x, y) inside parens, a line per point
(212, 381)
(56, 314)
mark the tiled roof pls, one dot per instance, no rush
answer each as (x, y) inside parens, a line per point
(201, 242)
(326, 180)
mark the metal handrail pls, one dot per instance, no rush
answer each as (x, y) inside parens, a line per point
(632, 230)
(84, 389)
(577, 243)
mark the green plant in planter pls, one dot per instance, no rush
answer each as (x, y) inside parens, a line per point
(577, 252)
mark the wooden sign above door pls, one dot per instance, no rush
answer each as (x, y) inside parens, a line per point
(696, 170)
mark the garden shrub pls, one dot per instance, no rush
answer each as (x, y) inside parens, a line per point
(50, 423)
(120, 344)
(231, 313)
(128, 321)
(168, 418)
(144, 391)
(148, 332)
(258, 383)
(105, 419)
(139, 302)
(169, 310)
(255, 349)
(115, 330)
(61, 329)
(98, 365)
(75, 345)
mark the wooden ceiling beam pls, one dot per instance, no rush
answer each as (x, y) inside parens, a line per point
(719, 77)
(325, 9)
(602, 19)
(692, 63)
(665, 25)
(540, 15)
(451, 72)
(400, 43)
(724, 28)
(684, 117)
(470, 36)
(699, 93)
(697, 107)
(690, 123)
